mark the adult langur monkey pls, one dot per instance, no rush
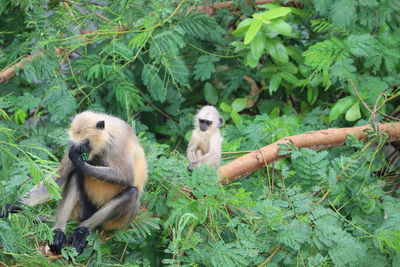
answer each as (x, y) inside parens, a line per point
(105, 189)
(205, 143)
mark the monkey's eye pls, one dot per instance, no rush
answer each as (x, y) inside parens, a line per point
(206, 122)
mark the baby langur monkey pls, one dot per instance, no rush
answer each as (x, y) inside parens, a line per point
(205, 143)
(105, 189)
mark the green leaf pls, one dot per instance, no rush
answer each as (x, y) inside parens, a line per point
(288, 67)
(252, 31)
(354, 112)
(237, 120)
(274, 83)
(281, 26)
(242, 27)
(225, 107)
(260, 17)
(276, 13)
(290, 78)
(257, 46)
(268, 6)
(250, 60)
(340, 107)
(239, 104)
(210, 93)
(277, 51)
(312, 95)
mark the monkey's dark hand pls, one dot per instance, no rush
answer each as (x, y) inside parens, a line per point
(9, 208)
(76, 159)
(59, 240)
(75, 155)
(78, 238)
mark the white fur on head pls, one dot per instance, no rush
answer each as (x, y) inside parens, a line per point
(209, 113)
(83, 127)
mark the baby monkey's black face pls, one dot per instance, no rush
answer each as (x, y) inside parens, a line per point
(204, 124)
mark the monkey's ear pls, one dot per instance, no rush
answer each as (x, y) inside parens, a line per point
(100, 125)
(221, 121)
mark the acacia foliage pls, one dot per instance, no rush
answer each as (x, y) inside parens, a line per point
(318, 64)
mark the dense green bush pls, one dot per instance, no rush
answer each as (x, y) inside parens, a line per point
(274, 70)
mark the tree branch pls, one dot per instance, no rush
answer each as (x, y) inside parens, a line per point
(314, 140)
(12, 70)
(210, 8)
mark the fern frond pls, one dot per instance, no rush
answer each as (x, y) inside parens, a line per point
(310, 164)
(324, 54)
(176, 70)
(343, 13)
(127, 95)
(323, 25)
(153, 82)
(143, 226)
(201, 26)
(204, 67)
(164, 43)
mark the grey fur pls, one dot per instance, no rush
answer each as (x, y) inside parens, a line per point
(107, 174)
(67, 203)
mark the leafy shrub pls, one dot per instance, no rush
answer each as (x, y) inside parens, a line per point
(273, 70)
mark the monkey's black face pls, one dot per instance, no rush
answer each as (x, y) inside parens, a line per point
(204, 124)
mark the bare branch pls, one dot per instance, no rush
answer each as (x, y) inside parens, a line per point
(12, 70)
(314, 140)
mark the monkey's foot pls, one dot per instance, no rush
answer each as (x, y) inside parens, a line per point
(9, 208)
(59, 240)
(191, 166)
(78, 238)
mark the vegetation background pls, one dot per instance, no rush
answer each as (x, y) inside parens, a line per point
(274, 69)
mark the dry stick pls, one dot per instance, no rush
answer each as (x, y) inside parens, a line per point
(314, 140)
(270, 257)
(325, 196)
(210, 8)
(229, 4)
(12, 70)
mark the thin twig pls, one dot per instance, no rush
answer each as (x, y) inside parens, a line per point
(105, 19)
(270, 257)
(123, 253)
(324, 197)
